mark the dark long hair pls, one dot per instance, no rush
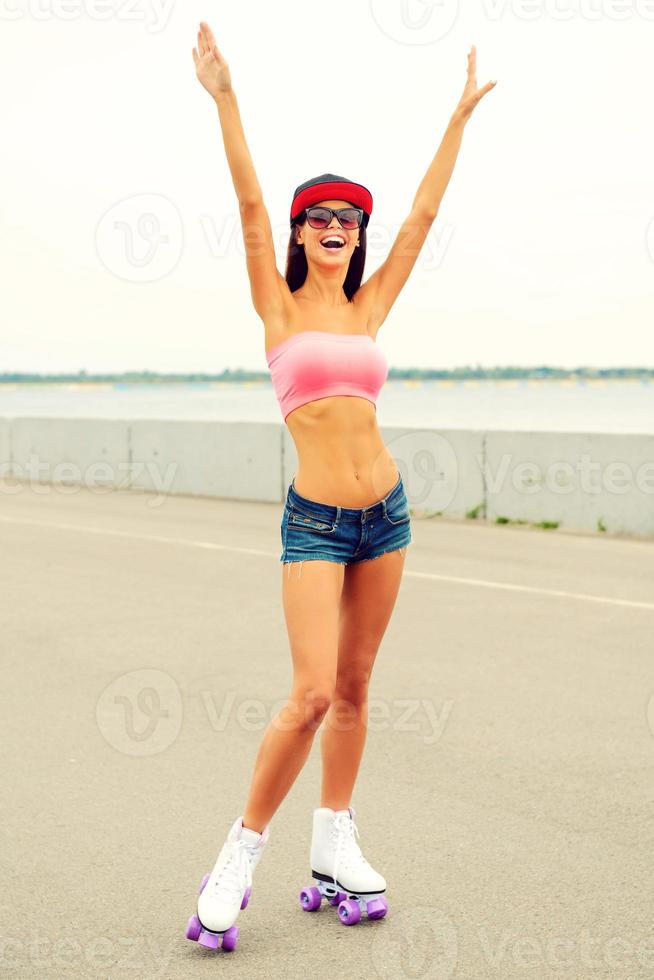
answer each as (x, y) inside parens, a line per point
(296, 260)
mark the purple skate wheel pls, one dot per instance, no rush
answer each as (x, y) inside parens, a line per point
(246, 898)
(194, 928)
(208, 939)
(203, 883)
(230, 938)
(377, 908)
(349, 912)
(310, 899)
(337, 898)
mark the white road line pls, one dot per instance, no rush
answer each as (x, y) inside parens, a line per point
(432, 576)
(559, 593)
(187, 542)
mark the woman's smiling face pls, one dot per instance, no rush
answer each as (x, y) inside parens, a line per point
(316, 240)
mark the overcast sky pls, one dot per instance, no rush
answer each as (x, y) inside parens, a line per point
(121, 246)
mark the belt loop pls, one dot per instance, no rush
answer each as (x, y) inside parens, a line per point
(338, 513)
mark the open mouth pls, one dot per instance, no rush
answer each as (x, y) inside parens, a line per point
(333, 241)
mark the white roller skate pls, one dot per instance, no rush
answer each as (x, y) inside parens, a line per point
(226, 890)
(341, 872)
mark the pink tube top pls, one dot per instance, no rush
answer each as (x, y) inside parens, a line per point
(315, 364)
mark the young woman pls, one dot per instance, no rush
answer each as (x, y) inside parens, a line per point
(346, 522)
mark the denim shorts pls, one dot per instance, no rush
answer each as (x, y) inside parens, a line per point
(344, 534)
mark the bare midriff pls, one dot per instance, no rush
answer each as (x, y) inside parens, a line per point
(342, 459)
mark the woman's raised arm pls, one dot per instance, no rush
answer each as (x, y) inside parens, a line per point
(266, 282)
(380, 291)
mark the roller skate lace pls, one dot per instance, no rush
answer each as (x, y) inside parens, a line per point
(347, 851)
(235, 871)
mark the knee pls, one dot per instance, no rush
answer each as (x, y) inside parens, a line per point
(352, 687)
(311, 704)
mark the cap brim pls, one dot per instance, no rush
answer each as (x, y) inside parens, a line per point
(356, 194)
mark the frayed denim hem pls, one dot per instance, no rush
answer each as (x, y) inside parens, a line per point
(338, 561)
(288, 562)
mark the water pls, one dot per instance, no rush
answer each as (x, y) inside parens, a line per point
(562, 406)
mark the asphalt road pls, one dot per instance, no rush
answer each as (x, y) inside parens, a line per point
(506, 792)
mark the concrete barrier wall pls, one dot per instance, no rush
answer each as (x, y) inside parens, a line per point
(85, 451)
(573, 480)
(5, 446)
(583, 480)
(238, 460)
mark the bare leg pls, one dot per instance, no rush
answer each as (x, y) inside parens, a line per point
(369, 593)
(311, 592)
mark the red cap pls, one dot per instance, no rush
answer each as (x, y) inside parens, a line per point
(328, 187)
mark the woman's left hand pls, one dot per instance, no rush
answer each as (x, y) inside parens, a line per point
(471, 94)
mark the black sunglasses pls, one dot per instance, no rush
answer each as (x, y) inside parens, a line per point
(348, 218)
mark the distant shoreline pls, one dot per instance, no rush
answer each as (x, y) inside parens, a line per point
(394, 374)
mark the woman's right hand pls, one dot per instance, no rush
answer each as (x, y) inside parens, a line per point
(210, 66)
